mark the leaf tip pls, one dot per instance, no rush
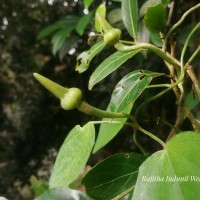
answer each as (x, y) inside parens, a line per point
(90, 86)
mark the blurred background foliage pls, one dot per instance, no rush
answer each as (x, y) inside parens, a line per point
(46, 36)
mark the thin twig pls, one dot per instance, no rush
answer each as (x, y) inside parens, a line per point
(179, 23)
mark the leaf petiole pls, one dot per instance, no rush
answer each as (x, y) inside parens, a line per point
(152, 136)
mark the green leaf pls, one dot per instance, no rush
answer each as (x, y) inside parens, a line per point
(156, 39)
(173, 173)
(109, 65)
(130, 16)
(143, 33)
(146, 5)
(83, 22)
(87, 3)
(61, 24)
(69, 43)
(62, 193)
(84, 59)
(73, 155)
(115, 16)
(122, 100)
(38, 186)
(50, 29)
(101, 10)
(60, 37)
(113, 176)
(192, 99)
(165, 1)
(155, 18)
(108, 131)
(130, 88)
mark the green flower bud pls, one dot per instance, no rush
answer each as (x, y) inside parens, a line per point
(112, 36)
(53, 87)
(71, 99)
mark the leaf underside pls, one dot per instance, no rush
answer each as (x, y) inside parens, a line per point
(173, 173)
(73, 155)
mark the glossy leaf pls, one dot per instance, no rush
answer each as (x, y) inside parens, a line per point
(130, 16)
(62, 193)
(109, 65)
(84, 59)
(130, 88)
(173, 173)
(155, 18)
(101, 10)
(113, 176)
(122, 100)
(73, 155)
(83, 22)
(87, 3)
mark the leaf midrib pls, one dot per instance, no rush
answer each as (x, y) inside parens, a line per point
(114, 180)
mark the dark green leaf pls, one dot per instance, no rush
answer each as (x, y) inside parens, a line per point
(83, 22)
(115, 175)
(146, 5)
(69, 43)
(122, 100)
(109, 65)
(62, 193)
(49, 29)
(155, 18)
(165, 1)
(130, 16)
(192, 99)
(61, 24)
(60, 37)
(84, 59)
(173, 173)
(73, 155)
